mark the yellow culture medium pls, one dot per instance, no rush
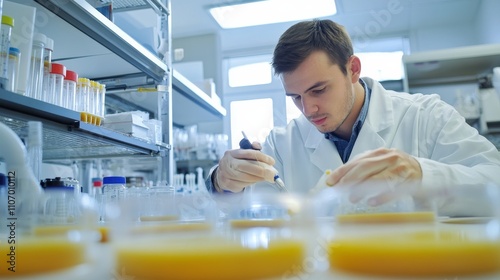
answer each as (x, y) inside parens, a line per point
(41, 255)
(208, 258)
(422, 253)
(64, 229)
(249, 223)
(389, 217)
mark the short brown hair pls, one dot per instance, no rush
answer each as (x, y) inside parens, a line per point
(305, 37)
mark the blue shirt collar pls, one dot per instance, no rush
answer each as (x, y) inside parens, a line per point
(345, 147)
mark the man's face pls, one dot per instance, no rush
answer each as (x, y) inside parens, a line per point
(322, 92)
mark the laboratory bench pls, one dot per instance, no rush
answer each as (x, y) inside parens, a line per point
(301, 248)
(102, 268)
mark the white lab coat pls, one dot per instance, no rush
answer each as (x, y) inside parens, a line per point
(450, 152)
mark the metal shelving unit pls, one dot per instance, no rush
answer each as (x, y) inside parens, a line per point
(96, 39)
(84, 17)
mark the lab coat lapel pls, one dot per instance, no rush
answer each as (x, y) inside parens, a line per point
(368, 139)
(380, 117)
(324, 155)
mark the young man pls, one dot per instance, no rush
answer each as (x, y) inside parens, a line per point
(355, 127)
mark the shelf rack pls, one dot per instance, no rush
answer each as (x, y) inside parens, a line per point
(65, 137)
(105, 32)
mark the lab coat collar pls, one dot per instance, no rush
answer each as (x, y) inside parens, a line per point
(380, 112)
(380, 117)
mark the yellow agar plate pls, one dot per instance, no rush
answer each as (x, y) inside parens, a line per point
(389, 217)
(249, 223)
(208, 258)
(40, 255)
(166, 228)
(423, 253)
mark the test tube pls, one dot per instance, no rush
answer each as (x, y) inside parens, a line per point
(69, 90)
(47, 66)
(83, 92)
(91, 103)
(13, 68)
(55, 84)
(102, 102)
(95, 102)
(35, 74)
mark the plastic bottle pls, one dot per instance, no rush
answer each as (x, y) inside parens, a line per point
(200, 180)
(55, 84)
(96, 187)
(35, 72)
(69, 90)
(113, 189)
(13, 68)
(5, 34)
(60, 202)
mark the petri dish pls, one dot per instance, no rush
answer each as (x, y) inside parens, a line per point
(207, 258)
(408, 237)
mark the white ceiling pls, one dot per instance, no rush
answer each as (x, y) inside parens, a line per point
(191, 17)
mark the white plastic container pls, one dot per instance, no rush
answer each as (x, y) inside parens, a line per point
(5, 36)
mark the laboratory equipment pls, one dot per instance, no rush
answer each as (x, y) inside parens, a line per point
(35, 73)
(69, 90)
(5, 36)
(113, 188)
(13, 69)
(55, 84)
(47, 66)
(34, 146)
(408, 243)
(246, 145)
(489, 121)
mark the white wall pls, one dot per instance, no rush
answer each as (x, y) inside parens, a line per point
(443, 37)
(488, 25)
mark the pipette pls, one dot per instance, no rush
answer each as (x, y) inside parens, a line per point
(246, 145)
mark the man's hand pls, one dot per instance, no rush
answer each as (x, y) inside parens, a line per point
(389, 167)
(239, 168)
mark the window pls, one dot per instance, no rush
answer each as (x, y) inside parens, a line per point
(252, 74)
(292, 111)
(254, 117)
(382, 66)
